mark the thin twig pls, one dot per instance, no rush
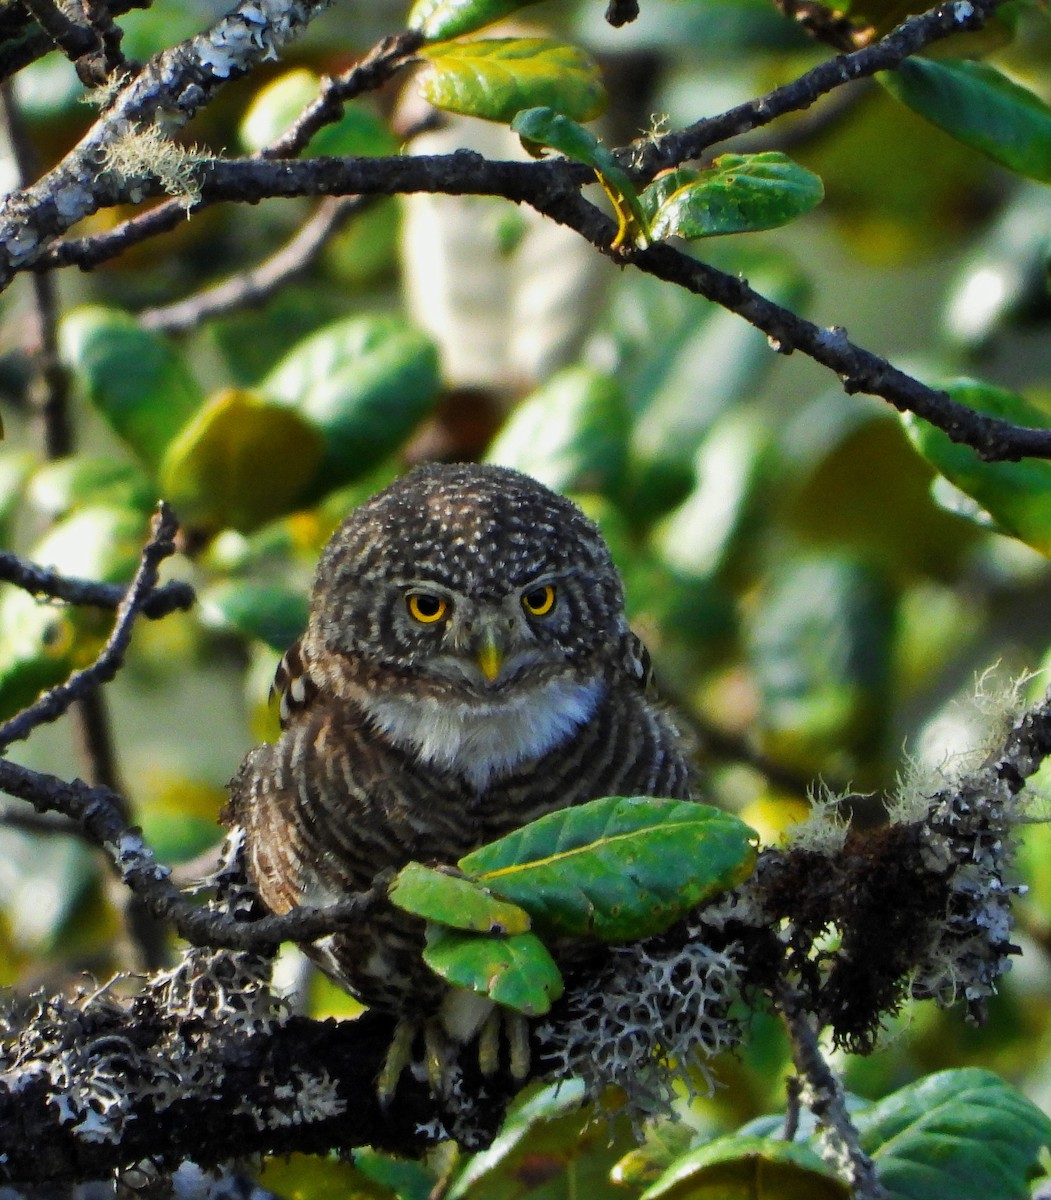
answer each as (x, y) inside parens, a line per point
(255, 286)
(79, 41)
(42, 581)
(912, 35)
(823, 1094)
(382, 62)
(97, 811)
(53, 703)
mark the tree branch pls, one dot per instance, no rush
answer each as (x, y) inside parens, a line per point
(53, 703)
(254, 286)
(41, 581)
(912, 35)
(823, 1094)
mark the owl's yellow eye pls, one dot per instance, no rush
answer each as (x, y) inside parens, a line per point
(426, 607)
(540, 601)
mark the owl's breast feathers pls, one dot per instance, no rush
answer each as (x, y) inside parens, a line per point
(339, 797)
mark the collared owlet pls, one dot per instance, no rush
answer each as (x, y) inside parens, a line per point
(467, 668)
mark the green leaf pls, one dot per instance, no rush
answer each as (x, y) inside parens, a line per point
(956, 1135)
(1016, 494)
(571, 434)
(749, 1168)
(366, 383)
(454, 18)
(820, 648)
(315, 1177)
(16, 466)
(664, 342)
(497, 77)
(618, 868)
(739, 193)
(137, 380)
(451, 900)
(406, 1179)
(240, 462)
(66, 484)
(545, 128)
(277, 105)
(549, 1148)
(517, 972)
(41, 642)
(979, 106)
(270, 612)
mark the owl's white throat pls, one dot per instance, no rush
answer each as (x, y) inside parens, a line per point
(483, 740)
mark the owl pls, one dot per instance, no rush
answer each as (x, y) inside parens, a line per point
(467, 668)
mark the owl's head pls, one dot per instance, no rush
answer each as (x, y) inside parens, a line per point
(470, 580)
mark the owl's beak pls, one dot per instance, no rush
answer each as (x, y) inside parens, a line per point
(490, 657)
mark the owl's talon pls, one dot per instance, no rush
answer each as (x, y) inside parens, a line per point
(517, 1028)
(489, 1044)
(397, 1059)
(437, 1056)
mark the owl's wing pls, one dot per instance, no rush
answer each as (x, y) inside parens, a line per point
(292, 683)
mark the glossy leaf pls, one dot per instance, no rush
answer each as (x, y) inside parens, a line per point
(137, 380)
(315, 1177)
(955, 1135)
(749, 1168)
(739, 193)
(451, 900)
(240, 462)
(273, 613)
(517, 972)
(496, 78)
(454, 18)
(365, 383)
(979, 106)
(549, 1148)
(572, 434)
(618, 868)
(1016, 494)
(405, 1178)
(545, 128)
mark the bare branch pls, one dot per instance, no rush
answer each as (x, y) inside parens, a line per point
(53, 703)
(254, 286)
(41, 581)
(380, 64)
(653, 155)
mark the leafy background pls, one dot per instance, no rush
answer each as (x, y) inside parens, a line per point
(812, 590)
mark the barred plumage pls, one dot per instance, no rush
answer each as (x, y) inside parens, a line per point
(467, 668)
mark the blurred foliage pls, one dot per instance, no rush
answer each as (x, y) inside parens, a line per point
(804, 578)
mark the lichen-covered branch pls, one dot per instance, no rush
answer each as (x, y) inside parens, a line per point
(202, 1062)
(171, 88)
(823, 1094)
